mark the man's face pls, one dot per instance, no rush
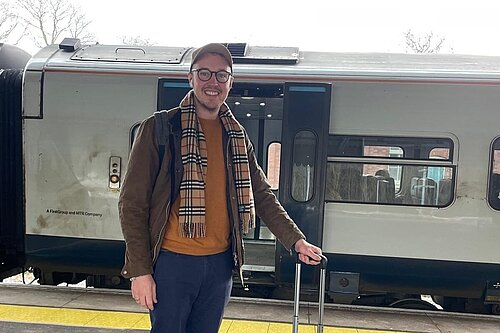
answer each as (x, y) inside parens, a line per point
(211, 94)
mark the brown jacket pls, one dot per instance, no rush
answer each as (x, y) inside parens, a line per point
(148, 192)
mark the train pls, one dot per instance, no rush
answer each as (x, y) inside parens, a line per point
(389, 162)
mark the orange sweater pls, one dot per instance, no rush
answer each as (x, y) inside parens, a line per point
(216, 218)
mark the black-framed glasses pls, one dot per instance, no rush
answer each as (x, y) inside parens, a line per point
(205, 74)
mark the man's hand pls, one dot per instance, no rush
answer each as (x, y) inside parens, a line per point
(308, 253)
(144, 291)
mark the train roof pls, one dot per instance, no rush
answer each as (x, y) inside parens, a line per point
(272, 62)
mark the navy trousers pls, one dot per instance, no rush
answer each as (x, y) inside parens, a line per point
(192, 292)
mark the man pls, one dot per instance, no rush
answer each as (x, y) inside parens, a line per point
(183, 220)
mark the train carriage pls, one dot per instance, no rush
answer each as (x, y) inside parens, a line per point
(390, 163)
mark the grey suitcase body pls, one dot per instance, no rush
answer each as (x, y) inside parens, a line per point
(321, 301)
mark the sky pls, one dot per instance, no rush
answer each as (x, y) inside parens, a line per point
(468, 27)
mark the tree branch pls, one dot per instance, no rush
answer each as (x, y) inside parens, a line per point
(48, 20)
(423, 44)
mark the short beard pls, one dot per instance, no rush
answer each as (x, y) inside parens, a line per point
(209, 109)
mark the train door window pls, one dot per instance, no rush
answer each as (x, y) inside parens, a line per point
(494, 184)
(304, 148)
(390, 170)
(273, 176)
(273, 164)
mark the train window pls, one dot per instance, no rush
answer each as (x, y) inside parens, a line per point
(408, 147)
(390, 172)
(273, 164)
(304, 148)
(494, 186)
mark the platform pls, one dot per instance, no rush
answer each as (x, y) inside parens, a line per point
(34, 308)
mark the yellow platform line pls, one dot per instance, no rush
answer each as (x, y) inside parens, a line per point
(129, 320)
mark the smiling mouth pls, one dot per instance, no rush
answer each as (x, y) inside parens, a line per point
(211, 92)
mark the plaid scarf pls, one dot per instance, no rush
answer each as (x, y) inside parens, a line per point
(194, 159)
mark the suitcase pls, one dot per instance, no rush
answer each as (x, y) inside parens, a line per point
(321, 302)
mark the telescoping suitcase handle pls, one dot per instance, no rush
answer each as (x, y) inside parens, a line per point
(321, 302)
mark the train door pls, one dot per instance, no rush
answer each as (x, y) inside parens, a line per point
(306, 115)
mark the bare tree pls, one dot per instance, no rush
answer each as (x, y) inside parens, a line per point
(9, 21)
(423, 44)
(49, 20)
(79, 28)
(137, 41)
